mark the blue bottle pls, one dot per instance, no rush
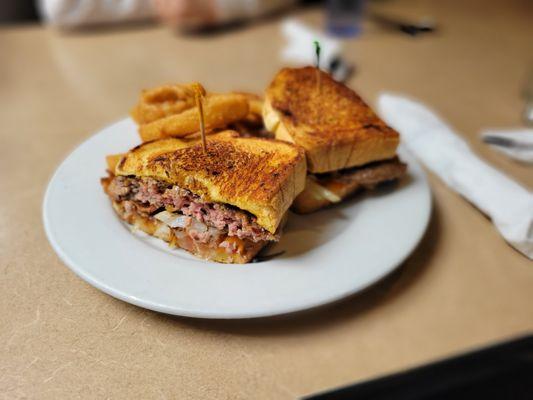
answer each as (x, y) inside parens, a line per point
(344, 17)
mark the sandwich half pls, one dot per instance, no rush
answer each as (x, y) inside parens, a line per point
(223, 205)
(348, 147)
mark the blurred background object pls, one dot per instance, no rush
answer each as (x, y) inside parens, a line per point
(12, 11)
(298, 49)
(191, 14)
(344, 17)
(411, 28)
(183, 14)
(515, 143)
(76, 13)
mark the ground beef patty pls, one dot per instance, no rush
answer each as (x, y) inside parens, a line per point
(149, 195)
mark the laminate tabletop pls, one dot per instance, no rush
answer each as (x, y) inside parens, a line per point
(462, 287)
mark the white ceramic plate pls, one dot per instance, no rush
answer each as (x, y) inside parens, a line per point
(328, 255)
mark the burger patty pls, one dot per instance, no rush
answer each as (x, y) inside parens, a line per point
(148, 196)
(375, 173)
(365, 177)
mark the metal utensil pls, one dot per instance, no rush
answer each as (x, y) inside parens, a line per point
(408, 27)
(506, 142)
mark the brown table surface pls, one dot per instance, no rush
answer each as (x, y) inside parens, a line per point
(463, 286)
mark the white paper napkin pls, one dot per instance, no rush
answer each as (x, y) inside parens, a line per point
(519, 136)
(508, 204)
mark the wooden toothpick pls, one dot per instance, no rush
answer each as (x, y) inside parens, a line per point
(317, 53)
(199, 93)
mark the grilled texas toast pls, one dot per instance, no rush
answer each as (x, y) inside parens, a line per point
(332, 123)
(256, 175)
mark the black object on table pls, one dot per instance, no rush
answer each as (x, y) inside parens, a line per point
(502, 371)
(408, 27)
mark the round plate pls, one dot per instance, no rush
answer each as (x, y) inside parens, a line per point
(328, 255)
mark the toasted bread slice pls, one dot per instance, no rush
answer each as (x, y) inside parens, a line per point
(219, 111)
(112, 160)
(332, 123)
(256, 175)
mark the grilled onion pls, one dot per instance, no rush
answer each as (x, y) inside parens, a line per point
(173, 220)
(320, 192)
